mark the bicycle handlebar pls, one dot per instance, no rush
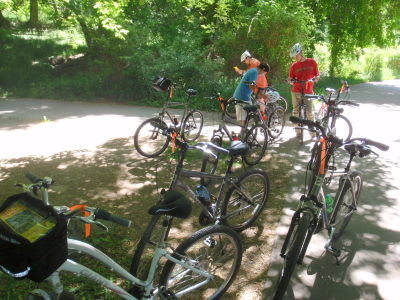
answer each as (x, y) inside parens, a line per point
(105, 215)
(337, 141)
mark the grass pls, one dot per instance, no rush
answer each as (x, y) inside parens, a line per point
(100, 180)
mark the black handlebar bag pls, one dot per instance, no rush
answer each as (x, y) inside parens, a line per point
(33, 238)
(161, 84)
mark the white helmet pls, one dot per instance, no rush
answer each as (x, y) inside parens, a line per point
(296, 49)
(245, 55)
(273, 96)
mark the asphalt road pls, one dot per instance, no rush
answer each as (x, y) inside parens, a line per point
(370, 263)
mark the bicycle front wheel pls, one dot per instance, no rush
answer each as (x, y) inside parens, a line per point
(192, 126)
(144, 252)
(343, 127)
(282, 103)
(295, 245)
(346, 206)
(215, 250)
(245, 200)
(257, 139)
(149, 140)
(276, 122)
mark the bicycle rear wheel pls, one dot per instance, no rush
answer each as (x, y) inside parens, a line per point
(149, 140)
(345, 206)
(192, 126)
(257, 139)
(302, 115)
(295, 245)
(216, 250)
(276, 122)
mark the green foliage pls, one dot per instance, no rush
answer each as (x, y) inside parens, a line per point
(394, 64)
(374, 65)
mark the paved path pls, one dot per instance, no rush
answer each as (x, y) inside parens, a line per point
(370, 269)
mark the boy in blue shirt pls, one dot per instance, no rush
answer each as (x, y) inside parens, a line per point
(243, 90)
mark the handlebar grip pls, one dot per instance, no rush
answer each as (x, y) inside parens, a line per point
(105, 215)
(294, 119)
(378, 145)
(32, 177)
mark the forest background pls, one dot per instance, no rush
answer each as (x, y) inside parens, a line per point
(111, 50)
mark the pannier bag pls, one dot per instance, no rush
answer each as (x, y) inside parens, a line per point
(33, 238)
(161, 84)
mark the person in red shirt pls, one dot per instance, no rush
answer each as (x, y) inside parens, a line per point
(302, 69)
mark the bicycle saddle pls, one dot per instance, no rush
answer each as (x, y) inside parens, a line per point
(191, 92)
(250, 107)
(174, 205)
(238, 148)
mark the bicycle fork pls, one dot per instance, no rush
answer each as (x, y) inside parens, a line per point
(295, 220)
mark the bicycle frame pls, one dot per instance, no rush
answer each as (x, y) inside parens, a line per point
(226, 180)
(150, 291)
(168, 104)
(316, 196)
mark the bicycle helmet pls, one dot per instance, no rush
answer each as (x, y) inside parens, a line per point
(245, 55)
(296, 49)
(273, 96)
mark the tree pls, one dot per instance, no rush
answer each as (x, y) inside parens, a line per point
(353, 25)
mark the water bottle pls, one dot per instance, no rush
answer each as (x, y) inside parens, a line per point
(203, 194)
(329, 203)
(234, 137)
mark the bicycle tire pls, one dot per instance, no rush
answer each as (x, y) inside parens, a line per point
(302, 115)
(210, 164)
(282, 102)
(257, 139)
(344, 129)
(210, 241)
(344, 208)
(276, 122)
(313, 165)
(292, 254)
(192, 126)
(230, 109)
(154, 144)
(141, 259)
(253, 184)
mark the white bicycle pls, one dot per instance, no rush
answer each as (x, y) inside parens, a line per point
(203, 266)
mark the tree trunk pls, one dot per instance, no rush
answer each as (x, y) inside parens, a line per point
(4, 23)
(33, 14)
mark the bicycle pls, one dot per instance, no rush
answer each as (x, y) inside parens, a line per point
(255, 135)
(330, 115)
(240, 199)
(271, 114)
(314, 211)
(206, 262)
(147, 139)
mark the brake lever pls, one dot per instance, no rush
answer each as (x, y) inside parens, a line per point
(87, 220)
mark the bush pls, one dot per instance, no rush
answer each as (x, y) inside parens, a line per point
(373, 67)
(394, 64)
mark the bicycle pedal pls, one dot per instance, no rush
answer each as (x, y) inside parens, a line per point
(332, 250)
(332, 168)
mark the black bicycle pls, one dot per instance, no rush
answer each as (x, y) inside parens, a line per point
(148, 140)
(315, 211)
